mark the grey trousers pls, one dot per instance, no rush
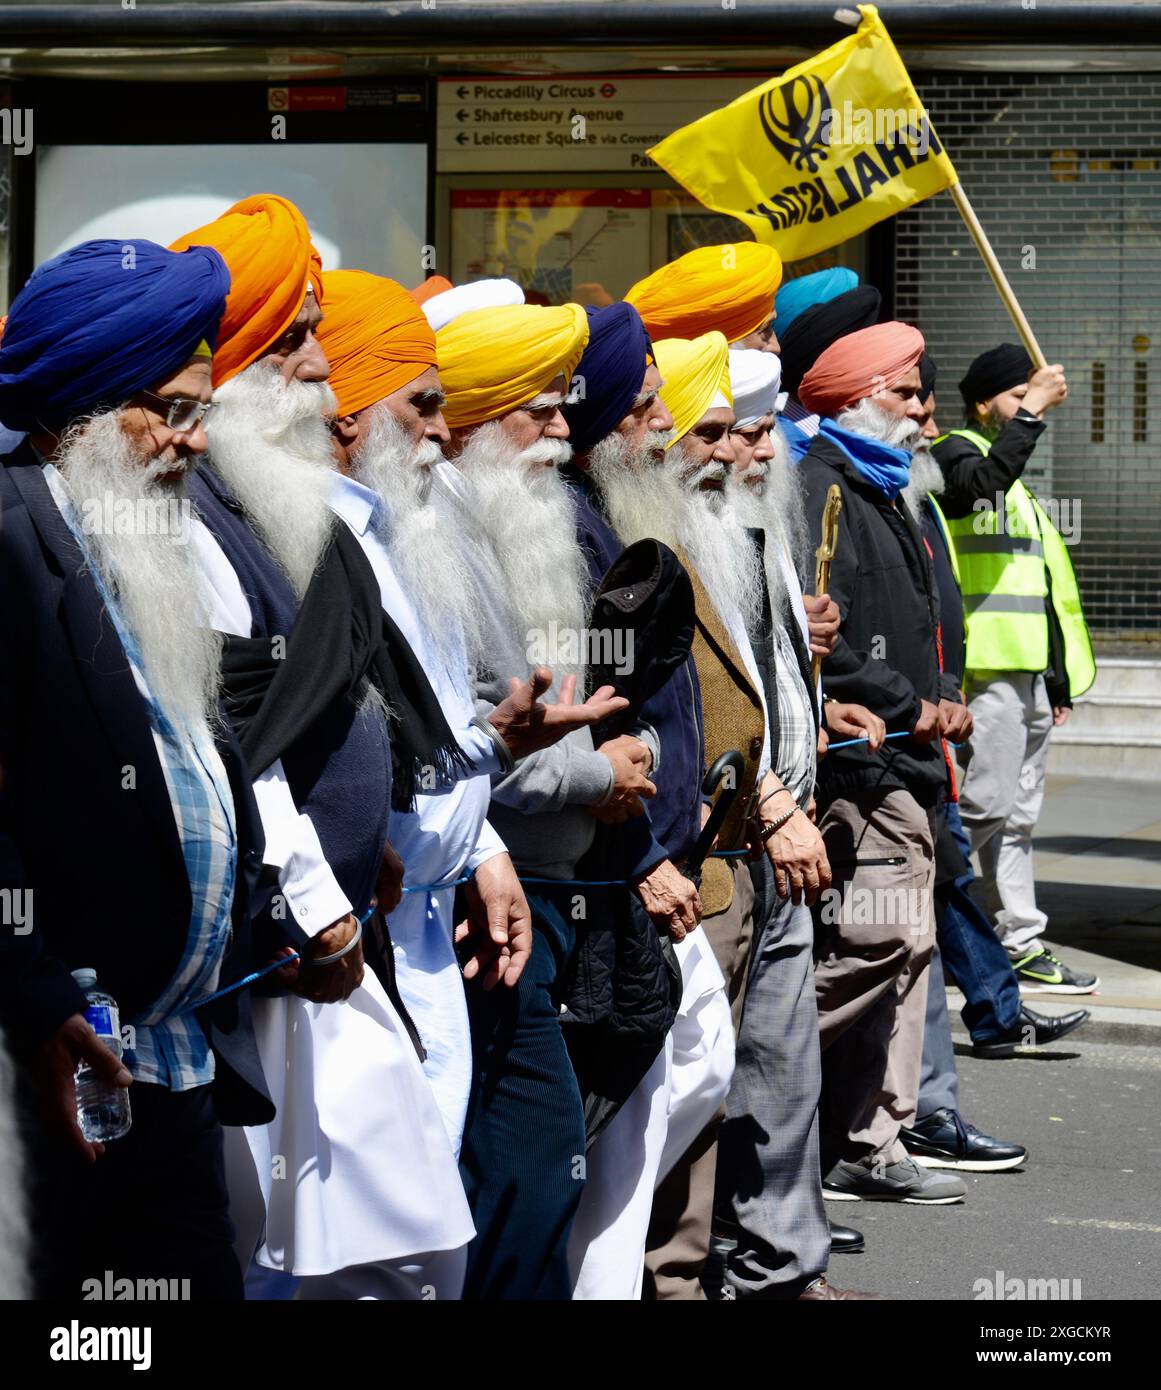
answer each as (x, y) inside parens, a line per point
(938, 1079)
(1000, 796)
(768, 1167)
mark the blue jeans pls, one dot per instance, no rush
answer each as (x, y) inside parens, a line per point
(522, 1159)
(972, 951)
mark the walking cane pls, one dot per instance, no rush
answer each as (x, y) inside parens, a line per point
(730, 762)
(825, 554)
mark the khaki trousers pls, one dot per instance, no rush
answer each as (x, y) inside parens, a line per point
(679, 1230)
(874, 933)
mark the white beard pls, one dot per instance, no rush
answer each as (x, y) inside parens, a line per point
(926, 476)
(868, 417)
(714, 537)
(663, 500)
(769, 496)
(270, 442)
(425, 538)
(523, 518)
(152, 575)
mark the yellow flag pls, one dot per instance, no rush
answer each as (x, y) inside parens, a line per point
(819, 154)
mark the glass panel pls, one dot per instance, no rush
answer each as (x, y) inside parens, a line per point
(366, 204)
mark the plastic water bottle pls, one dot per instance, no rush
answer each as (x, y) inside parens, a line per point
(102, 1108)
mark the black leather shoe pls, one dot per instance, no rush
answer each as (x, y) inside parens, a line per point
(845, 1240)
(944, 1140)
(1033, 1030)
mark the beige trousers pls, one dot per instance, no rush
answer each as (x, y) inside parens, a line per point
(874, 932)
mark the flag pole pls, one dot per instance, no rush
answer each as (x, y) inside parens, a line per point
(996, 271)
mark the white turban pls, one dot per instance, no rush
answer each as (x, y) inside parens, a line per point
(441, 309)
(755, 378)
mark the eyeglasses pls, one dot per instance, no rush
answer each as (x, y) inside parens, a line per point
(182, 414)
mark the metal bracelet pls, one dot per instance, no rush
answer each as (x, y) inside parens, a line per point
(769, 827)
(338, 955)
(503, 752)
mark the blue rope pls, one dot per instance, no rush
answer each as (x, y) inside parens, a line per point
(436, 887)
(255, 975)
(849, 742)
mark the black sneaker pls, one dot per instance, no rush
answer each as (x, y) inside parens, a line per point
(944, 1139)
(1033, 1030)
(1040, 972)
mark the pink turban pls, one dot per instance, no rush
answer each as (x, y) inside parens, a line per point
(870, 360)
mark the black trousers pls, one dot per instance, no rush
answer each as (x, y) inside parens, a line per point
(153, 1206)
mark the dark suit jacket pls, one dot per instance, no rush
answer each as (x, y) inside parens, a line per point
(86, 823)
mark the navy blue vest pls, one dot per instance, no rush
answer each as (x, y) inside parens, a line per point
(340, 772)
(674, 711)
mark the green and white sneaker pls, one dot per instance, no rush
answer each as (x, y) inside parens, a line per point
(1040, 972)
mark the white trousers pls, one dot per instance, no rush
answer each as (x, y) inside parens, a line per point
(1001, 796)
(436, 1276)
(672, 1104)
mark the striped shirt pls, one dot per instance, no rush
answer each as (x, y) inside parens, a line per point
(169, 1047)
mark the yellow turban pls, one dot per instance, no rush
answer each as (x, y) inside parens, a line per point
(266, 245)
(375, 338)
(728, 288)
(492, 361)
(695, 377)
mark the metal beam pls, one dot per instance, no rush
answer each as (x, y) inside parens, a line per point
(555, 24)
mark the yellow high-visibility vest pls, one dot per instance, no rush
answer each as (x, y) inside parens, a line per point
(1006, 577)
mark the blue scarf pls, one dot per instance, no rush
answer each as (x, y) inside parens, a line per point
(884, 467)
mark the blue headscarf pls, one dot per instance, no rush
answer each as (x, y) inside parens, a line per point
(611, 369)
(796, 296)
(102, 321)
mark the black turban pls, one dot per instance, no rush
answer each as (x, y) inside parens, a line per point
(814, 330)
(998, 369)
(927, 373)
(608, 376)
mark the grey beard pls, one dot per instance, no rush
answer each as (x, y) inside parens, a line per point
(527, 558)
(926, 477)
(151, 574)
(642, 497)
(868, 417)
(270, 442)
(424, 537)
(663, 501)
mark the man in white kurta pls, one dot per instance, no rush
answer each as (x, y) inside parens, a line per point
(388, 434)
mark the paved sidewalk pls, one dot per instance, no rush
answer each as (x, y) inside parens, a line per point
(1098, 874)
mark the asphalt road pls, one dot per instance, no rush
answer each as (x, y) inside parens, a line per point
(1086, 1206)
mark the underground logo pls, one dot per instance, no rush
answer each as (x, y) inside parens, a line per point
(792, 117)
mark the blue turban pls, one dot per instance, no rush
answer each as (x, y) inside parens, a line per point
(796, 296)
(102, 321)
(612, 367)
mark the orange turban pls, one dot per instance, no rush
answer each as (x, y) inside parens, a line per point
(434, 284)
(728, 288)
(860, 364)
(492, 361)
(375, 338)
(265, 242)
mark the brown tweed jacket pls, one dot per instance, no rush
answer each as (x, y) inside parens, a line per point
(733, 718)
